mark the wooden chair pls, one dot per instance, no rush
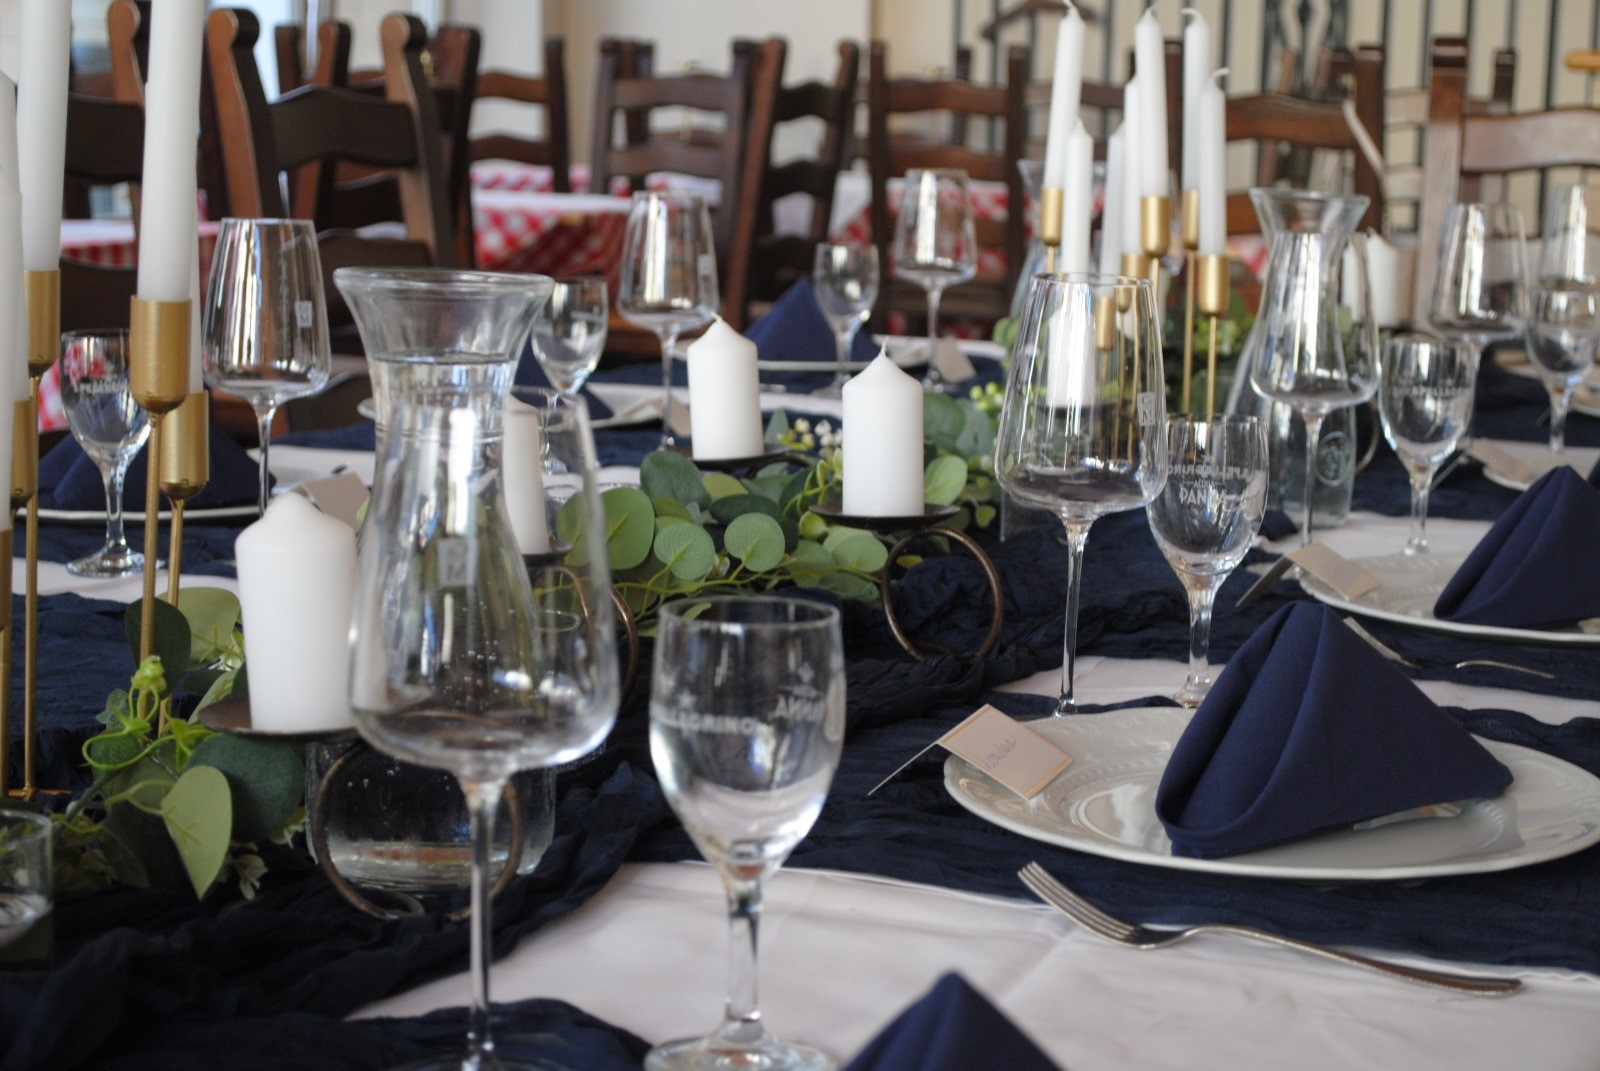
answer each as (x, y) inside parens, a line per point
(105, 147)
(984, 299)
(775, 261)
(548, 91)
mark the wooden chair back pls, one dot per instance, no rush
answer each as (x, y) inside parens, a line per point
(105, 147)
(548, 91)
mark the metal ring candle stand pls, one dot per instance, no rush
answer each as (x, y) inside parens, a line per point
(915, 528)
(771, 455)
(630, 625)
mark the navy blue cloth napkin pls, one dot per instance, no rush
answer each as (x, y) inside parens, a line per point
(531, 374)
(952, 1028)
(1594, 475)
(794, 329)
(70, 480)
(1536, 568)
(1308, 729)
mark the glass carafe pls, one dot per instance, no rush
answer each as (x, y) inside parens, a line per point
(1307, 234)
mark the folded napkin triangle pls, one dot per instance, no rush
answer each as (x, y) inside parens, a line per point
(1308, 729)
(1594, 476)
(1539, 566)
(794, 329)
(70, 480)
(952, 1028)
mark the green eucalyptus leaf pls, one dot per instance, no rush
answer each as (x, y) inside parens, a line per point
(984, 515)
(721, 485)
(687, 550)
(212, 613)
(808, 560)
(668, 522)
(791, 534)
(671, 507)
(172, 642)
(726, 510)
(630, 526)
(856, 549)
(942, 419)
(777, 426)
(267, 781)
(849, 586)
(109, 751)
(668, 474)
(198, 813)
(221, 688)
(756, 540)
(571, 520)
(943, 480)
(794, 485)
(812, 526)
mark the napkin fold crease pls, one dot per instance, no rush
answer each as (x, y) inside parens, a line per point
(952, 1028)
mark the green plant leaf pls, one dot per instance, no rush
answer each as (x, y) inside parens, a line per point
(984, 515)
(687, 550)
(812, 526)
(808, 560)
(630, 526)
(727, 510)
(671, 507)
(942, 419)
(668, 474)
(267, 781)
(172, 642)
(198, 812)
(943, 480)
(756, 540)
(212, 614)
(777, 427)
(848, 586)
(856, 549)
(221, 688)
(114, 750)
(721, 485)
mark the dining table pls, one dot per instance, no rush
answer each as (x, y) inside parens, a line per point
(616, 940)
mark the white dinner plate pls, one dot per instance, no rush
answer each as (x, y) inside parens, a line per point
(1540, 460)
(640, 412)
(136, 516)
(1104, 804)
(1585, 400)
(1409, 585)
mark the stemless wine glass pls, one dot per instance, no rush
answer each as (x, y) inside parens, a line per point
(570, 333)
(265, 336)
(1480, 284)
(746, 726)
(1082, 427)
(460, 659)
(25, 874)
(845, 281)
(934, 245)
(1425, 402)
(669, 275)
(1205, 518)
(111, 427)
(1565, 318)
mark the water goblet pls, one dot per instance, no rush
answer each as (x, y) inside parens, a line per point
(746, 727)
(570, 333)
(1480, 284)
(110, 427)
(1564, 320)
(845, 281)
(1082, 427)
(1205, 518)
(669, 275)
(265, 336)
(25, 883)
(1425, 388)
(934, 244)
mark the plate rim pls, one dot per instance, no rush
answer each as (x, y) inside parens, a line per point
(133, 516)
(1241, 865)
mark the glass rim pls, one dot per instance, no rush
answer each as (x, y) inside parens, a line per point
(943, 172)
(809, 613)
(40, 823)
(425, 280)
(264, 222)
(1100, 280)
(1422, 338)
(93, 332)
(685, 196)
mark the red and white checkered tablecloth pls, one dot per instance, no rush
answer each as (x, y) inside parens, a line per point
(555, 234)
(526, 178)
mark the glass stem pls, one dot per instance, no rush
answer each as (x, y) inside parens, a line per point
(1077, 537)
(264, 428)
(1421, 484)
(932, 378)
(842, 339)
(116, 538)
(1560, 403)
(1313, 419)
(1202, 591)
(669, 342)
(482, 799)
(741, 1020)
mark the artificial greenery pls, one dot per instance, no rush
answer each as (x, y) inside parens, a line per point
(172, 803)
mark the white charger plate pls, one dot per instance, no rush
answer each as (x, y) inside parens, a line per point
(136, 516)
(1409, 585)
(1540, 460)
(1104, 804)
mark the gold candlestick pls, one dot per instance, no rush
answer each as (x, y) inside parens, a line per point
(1189, 231)
(1211, 287)
(42, 295)
(1155, 235)
(185, 467)
(6, 633)
(158, 373)
(24, 479)
(1051, 201)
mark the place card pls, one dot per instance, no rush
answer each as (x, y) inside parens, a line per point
(340, 496)
(1341, 574)
(1002, 747)
(1502, 461)
(952, 362)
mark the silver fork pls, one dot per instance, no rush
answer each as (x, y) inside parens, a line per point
(1116, 931)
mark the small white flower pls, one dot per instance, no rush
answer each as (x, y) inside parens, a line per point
(802, 425)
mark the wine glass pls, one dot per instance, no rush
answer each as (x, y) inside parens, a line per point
(934, 245)
(110, 427)
(1480, 284)
(25, 882)
(1082, 427)
(1425, 388)
(1565, 316)
(1205, 518)
(746, 726)
(669, 275)
(464, 655)
(570, 333)
(844, 279)
(265, 336)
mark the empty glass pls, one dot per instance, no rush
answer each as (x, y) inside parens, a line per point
(265, 336)
(569, 333)
(1206, 517)
(1480, 284)
(934, 244)
(1425, 387)
(25, 879)
(1564, 320)
(845, 281)
(111, 427)
(746, 727)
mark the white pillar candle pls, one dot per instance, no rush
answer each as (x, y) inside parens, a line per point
(196, 369)
(1111, 211)
(1077, 200)
(1196, 73)
(1213, 167)
(522, 467)
(42, 127)
(1132, 165)
(1151, 65)
(11, 298)
(297, 569)
(172, 115)
(883, 442)
(1066, 90)
(724, 394)
(1383, 275)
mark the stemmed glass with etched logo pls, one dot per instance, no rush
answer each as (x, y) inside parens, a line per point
(110, 427)
(1205, 518)
(746, 725)
(1425, 388)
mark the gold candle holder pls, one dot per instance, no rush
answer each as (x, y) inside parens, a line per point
(7, 548)
(1051, 203)
(24, 483)
(185, 463)
(42, 295)
(1155, 235)
(1105, 323)
(1211, 298)
(1136, 265)
(158, 374)
(1189, 233)
(42, 289)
